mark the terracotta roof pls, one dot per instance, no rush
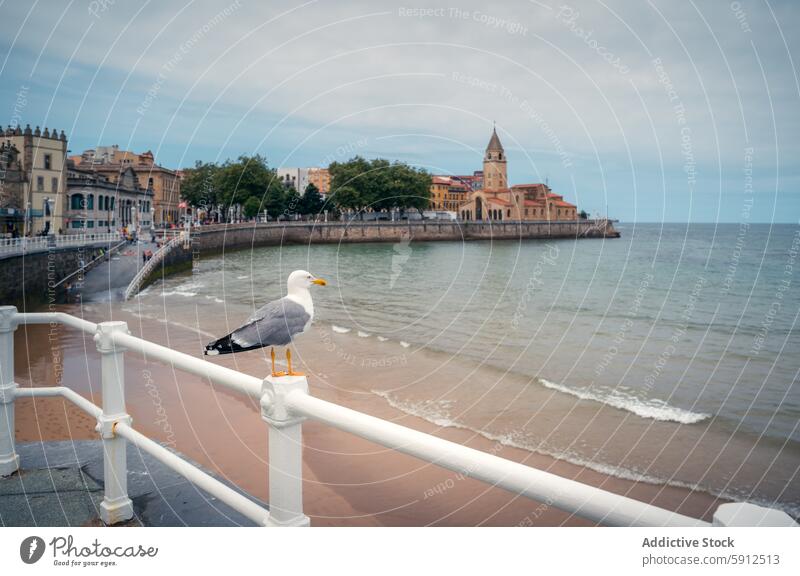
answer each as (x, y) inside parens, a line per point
(535, 203)
(536, 185)
(562, 203)
(498, 201)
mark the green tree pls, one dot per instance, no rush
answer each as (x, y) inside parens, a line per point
(247, 176)
(292, 203)
(252, 207)
(359, 184)
(199, 185)
(274, 200)
(312, 202)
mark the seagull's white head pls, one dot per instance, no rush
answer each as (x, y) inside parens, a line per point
(302, 280)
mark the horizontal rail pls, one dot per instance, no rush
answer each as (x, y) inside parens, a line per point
(204, 481)
(195, 475)
(574, 497)
(65, 393)
(232, 379)
(57, 317)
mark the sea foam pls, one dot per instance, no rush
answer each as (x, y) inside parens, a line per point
(650, 408)
(339, 329)
(438, 412)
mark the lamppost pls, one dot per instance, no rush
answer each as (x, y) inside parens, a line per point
(49, 214)
(28, 219)
(137, 205)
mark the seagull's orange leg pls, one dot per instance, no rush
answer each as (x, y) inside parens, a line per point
(272, 355)
(289, 363)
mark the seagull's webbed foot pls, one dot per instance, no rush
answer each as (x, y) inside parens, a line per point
(274, 373)
(289, 364)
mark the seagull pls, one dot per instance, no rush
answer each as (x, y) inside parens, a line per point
(274, 324)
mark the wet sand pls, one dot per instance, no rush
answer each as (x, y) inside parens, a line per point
(347, 481)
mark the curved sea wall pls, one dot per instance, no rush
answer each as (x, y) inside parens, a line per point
(226, 237)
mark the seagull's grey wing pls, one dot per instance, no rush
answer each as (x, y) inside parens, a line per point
(272, 325)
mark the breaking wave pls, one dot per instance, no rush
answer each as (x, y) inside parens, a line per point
(654, 409)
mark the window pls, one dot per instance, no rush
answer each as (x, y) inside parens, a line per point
(90, 202)
(90, 224)
(47, 161)
(526, 211)
(77, 224)
(509, 213)
(40, 183)
(76, 202)
(54, 184)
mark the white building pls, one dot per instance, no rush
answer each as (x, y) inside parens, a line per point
(296, 178)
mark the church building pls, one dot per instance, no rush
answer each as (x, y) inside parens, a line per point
(496, 201)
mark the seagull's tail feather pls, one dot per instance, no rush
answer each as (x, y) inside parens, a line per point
(224, 345)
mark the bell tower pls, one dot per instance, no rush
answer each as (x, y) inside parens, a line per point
(494, 165)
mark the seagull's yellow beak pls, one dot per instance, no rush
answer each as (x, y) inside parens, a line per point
(319, 281)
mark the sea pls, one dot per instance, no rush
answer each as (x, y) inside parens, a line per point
(668, 356)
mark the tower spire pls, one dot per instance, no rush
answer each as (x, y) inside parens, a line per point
(494, 164)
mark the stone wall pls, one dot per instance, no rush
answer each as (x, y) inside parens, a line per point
(28, 281)
(219, 238)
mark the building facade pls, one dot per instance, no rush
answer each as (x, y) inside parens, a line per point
(296, 178)
(448, 193)
(496, 201)
(165, 184)
(321, 178)
(95, 203)
(32, 180)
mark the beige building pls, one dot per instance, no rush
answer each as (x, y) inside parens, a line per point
(164, 183)
(519, 202)
(448, 193)
(321, 178)
(33, 181)
(95, 204)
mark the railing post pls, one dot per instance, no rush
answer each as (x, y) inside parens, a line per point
(116, 506)
(9, 460)
(285, 451)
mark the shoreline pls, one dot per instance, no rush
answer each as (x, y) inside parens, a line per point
(347, 480)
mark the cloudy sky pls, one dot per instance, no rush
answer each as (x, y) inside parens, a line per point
(663, 110)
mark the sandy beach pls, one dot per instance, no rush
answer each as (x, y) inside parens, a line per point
(347, 481)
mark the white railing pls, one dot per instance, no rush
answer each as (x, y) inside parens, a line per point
(285, 403)
(81, 239)
(13, 246)
(135, 285)
(20, 245)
